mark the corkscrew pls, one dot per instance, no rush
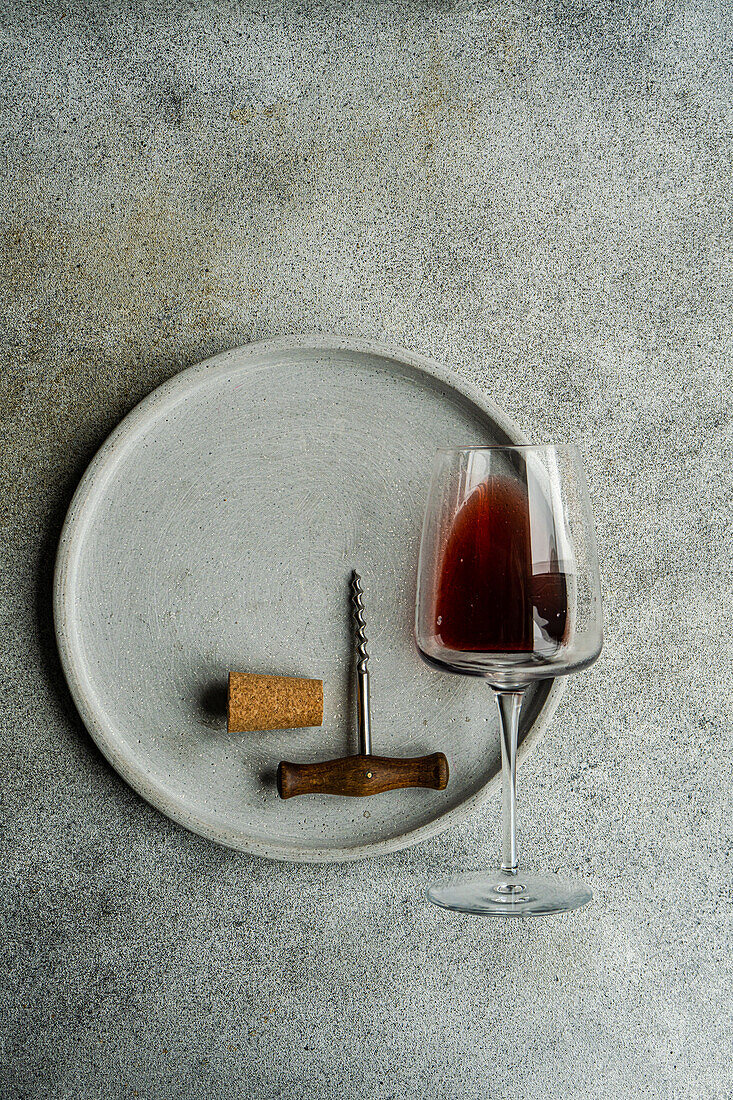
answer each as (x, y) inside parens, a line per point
(363, 774)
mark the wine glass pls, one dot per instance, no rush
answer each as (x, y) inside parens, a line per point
(508, 589)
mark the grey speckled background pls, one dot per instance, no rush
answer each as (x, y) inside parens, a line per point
(539, 195)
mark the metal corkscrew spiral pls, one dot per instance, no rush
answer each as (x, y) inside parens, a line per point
(361, 638)
(362, 672)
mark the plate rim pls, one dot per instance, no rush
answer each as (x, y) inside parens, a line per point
(70, 542)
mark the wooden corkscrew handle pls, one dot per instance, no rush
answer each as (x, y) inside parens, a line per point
(362, 775)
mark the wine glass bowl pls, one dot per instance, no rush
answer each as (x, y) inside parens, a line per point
(508, 589)
(508, 576)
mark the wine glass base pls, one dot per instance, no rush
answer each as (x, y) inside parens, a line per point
(502, 894)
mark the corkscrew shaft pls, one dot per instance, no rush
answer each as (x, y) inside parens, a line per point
(362, 671)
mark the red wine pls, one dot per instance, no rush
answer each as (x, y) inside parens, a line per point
(493, 593)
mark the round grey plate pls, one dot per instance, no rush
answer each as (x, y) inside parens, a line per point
(216, 529)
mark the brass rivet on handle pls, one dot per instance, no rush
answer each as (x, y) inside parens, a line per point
(369, 775)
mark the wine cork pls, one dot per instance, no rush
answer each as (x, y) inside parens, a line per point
(272, 702)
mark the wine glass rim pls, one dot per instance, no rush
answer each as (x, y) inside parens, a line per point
(507, 447)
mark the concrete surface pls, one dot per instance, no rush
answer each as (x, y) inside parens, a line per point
(539, 195)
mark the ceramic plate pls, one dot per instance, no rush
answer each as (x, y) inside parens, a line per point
(216, 529)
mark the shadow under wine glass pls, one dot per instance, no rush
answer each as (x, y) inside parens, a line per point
(509, 589)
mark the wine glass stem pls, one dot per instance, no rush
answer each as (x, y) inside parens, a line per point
(509, 704)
